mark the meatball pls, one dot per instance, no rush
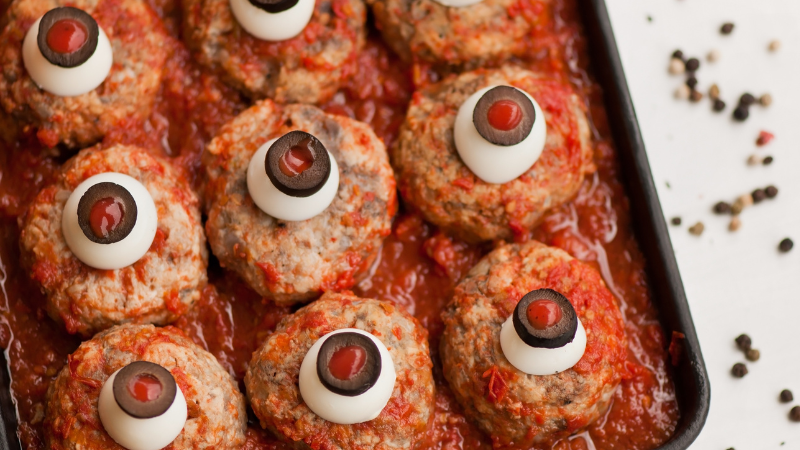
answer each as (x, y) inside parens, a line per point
(158, 288)
(468, 36)
(308, 68)
(139, 43)
(216, 409)
(511, 406)
(272, 378)
(433, 178)
(296, 261)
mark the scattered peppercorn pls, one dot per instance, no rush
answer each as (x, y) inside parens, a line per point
(744, 342)
(735, 224)
(677, 54)
(719, 105)
(726, 28)
(786, 396)
(758, 195)
(739, 370)
(775, 45)
(695, 96)
(697, 229)
(676, 221)
(722, 208)
(786, 245)
(691, 82)
(692, 64)
(765, 100)
(752, 354)
(747, 99)
(713, 56)
(741, 113)
(753, 160)
(737, 207)
(676, 66)
(764, 138)
(768, 160)
(771, 191)
(683, 92)
(713, 91)
(794, 414)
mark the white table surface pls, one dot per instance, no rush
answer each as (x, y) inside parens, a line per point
(735, 282)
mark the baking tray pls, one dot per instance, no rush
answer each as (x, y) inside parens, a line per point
(691, 379)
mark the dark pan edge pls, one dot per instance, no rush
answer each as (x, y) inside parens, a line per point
(8, 410)
(690, 375)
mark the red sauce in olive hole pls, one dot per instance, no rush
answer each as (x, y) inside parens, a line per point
(105, 216)
(504, 115)
(67, 36)
(297, 159)
(347, 362)
(543, 314)
(145, 387)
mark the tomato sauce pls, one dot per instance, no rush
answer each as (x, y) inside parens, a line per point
(418, 264)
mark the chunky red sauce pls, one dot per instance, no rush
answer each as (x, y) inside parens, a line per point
(66, 36)
(418, 265)
(346, 362)
(145, 387)
(105, 216)
(504, 115)
(543, 314)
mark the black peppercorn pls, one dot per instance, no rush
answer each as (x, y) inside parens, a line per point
(786, 396)
(739, 370)
(691, 82)
(771, 191)
(758, 195)
(786, 245)
(719, 105)
(741, 113)
(676, 221)
(722, 208)
(744, 342)
(747, 99)
(692, 64)
(768, 160)
(794, 414)
(726, 28)
(678, 54)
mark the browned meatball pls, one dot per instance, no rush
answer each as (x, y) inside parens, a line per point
(297, 261)
(216, 409)
(488, 31)
(272, 378)
(138, 41)
(158, 288)
(433, 178)
(510, 405)
(308, 68)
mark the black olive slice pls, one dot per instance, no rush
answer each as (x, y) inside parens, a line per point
(274, 6)
(363, 378)
(309, 180)
(144, 389)
(555, 335)
(493, 104)
(53, 19)
(112, 198)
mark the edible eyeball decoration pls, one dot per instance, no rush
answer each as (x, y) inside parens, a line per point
(293, 177)
(500, 133)
(347, 377)
(66, 53)
(458, 3)
(273, 20)
(141, 406)
(544, 335)
(109, 221)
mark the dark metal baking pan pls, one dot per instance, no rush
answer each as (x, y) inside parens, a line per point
(690, 375)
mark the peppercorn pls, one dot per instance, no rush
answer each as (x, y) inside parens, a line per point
(713, 56)
(697, 229)
(741, 113)
(753, 160)
(768, 160)
(713, 91)
(676, 66)
(744, 342)
(786, 396)
(683, 92)
(737, 207)
(676, 221)
(775, 45)
(719, 105)
(735, 224)
(747, 99)
(677, 54)
(726, 28)
(771, 191)
(695, 96)
(758, 195)
(752, 354)
(722, 208)
(691, 82)
(794, 414)
(765, 100)
(692, 64)
(739, 370)
(786, 245)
